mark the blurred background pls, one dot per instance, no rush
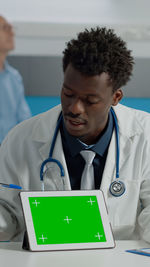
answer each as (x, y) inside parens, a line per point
(42, 29)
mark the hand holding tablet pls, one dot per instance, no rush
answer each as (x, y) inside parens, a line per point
(64, 220)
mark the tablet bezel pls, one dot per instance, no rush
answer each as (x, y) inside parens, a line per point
(24, 195)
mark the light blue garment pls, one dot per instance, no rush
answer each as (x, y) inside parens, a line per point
(13, 106)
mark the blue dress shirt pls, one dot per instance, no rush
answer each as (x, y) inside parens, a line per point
(13, 107)
(75, 163)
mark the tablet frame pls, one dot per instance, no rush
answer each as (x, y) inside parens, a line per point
(33, 246)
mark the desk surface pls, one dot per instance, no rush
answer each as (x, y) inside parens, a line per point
(11, 254)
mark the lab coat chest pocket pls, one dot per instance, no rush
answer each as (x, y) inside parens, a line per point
(123, 210)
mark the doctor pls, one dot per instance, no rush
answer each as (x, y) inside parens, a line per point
(96, 66)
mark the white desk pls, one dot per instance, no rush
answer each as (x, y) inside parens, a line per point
(11, 254)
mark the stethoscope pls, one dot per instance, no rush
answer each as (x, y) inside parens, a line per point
(117, 187)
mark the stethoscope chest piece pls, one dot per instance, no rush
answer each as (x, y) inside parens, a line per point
(117, 188)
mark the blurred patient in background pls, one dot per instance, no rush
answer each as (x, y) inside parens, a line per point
(13, 106)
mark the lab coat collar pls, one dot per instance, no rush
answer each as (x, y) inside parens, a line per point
(128, 125)
(44, 128)
(46, 123)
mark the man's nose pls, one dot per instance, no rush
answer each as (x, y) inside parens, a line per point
(76, 107)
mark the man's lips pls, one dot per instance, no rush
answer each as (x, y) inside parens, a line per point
(75, 121)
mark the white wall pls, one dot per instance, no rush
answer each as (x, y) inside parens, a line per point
(43, 26)
(78, 11)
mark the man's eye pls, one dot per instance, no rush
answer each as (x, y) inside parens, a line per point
(90, 102)
(68, 95)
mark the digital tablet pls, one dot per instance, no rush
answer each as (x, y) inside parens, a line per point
(66, 220)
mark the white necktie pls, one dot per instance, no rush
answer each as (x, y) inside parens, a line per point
(87, 179)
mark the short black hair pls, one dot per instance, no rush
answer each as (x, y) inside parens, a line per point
(100, 50)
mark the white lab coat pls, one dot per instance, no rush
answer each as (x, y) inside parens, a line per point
(28, 145)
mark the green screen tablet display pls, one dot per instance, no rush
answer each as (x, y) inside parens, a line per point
(66, 220)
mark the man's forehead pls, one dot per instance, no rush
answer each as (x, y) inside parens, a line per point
(72, 72)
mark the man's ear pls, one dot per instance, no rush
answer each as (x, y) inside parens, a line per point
(117, 96)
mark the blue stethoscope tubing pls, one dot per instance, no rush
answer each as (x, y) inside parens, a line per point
(117, 142)
(117, 187)
(50, 158)
(116, 184)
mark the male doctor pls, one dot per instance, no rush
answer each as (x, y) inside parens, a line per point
(96, 66)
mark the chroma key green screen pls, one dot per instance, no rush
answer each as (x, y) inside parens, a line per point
(66, 220)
